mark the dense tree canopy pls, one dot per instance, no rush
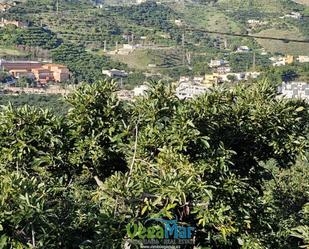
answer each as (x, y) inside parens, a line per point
(59, 106)
(228, 163)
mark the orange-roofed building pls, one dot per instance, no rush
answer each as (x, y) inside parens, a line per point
(61, 72)
(43, 75)
(20, 65)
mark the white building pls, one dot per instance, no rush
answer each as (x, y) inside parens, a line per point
(303, 59)
(140, 1)
(125, 94)
(281, 61)
(253, 21)
(184, 78)
(217, 63)
(294, 89)
(131, 46)
(295, 15)
(140, 90)
(187, 90)
(243, 49)
(252, 75)
(115, 73)
(278, 63)
(178, 22)
(198, 79)
(223, 69)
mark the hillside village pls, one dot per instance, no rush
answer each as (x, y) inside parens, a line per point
(192, 71)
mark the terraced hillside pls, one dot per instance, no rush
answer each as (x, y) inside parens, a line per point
(102, 29)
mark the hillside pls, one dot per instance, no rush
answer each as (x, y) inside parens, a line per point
(305, 2)
(283, 47)
(103, 29)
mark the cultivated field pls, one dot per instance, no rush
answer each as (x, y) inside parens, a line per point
(305, 2)
(292, 48)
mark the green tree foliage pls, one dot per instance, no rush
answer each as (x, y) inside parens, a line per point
(302, 231)
(244, 61)
(25, 82)
(197, 160)
(286, 198)
(97, 117)
(149, 14)
(38, 212)
(56, 103)
(31, 139)
(223, 163)
(39, 37)
(289, 73)
(3, 76)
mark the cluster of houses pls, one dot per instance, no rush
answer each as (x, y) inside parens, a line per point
(282, 60)
(289, 59)
(42, 73)
(190, 87)
(294, 89)
(222, 73)
(220, 66)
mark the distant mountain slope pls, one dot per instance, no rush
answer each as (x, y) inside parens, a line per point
(267, 6)
(80, 22)
(305, 2)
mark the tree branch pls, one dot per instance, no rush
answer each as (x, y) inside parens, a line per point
(134, 155)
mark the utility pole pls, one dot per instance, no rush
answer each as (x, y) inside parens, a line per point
(183, 48)
(105, 46)
(57, 7)
(189, 57)
(253, 62)
(121, 83)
